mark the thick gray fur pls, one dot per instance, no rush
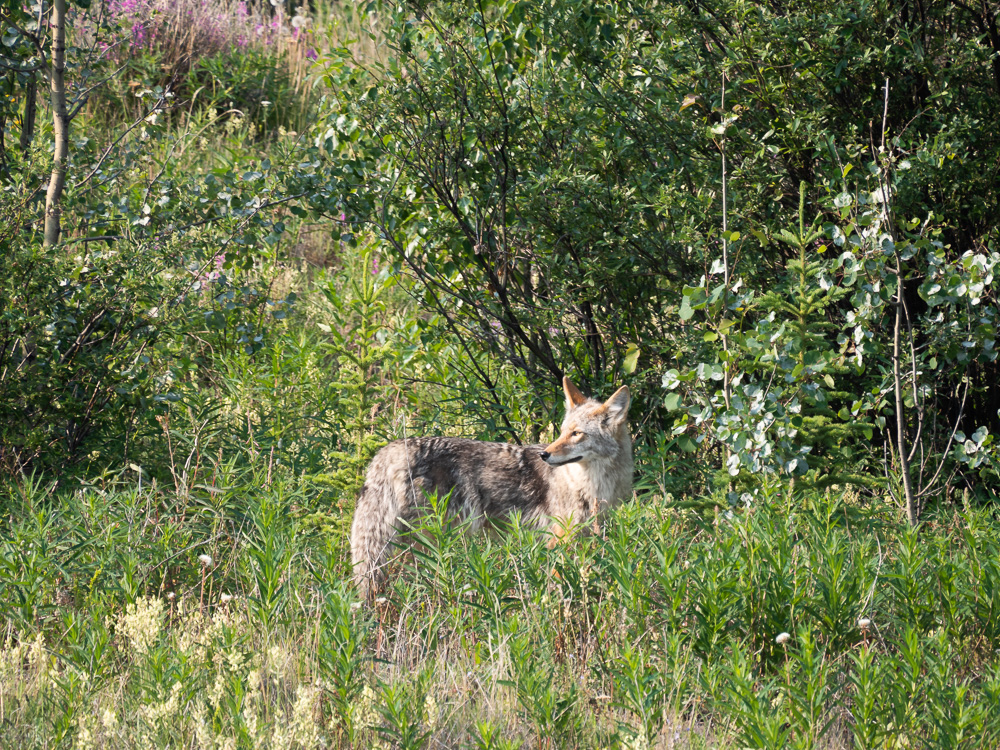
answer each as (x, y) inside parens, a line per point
(587, 469)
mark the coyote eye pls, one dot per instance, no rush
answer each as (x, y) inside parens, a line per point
(576, 433)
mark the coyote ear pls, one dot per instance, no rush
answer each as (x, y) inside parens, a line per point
(573, 395)
(617, 405)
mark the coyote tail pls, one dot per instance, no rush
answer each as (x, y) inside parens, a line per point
(373, 530)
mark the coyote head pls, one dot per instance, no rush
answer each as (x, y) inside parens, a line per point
(591, 430)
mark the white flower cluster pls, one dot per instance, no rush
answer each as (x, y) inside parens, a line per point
(363, 713)
(432, 712)
(164, 711)
(301, 730)
(24, 666)
(140, 623)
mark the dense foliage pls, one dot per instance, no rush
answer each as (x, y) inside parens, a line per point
(243, 245)
(556, 179)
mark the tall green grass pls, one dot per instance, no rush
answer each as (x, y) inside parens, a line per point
(136, 615)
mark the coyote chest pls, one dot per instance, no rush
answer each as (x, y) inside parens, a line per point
(587, 469)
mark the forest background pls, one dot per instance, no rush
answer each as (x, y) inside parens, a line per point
(244, 245)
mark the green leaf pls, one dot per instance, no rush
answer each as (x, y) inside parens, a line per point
(686, 312)
(686, 444)
(672, 401)
(631, 359)
(689, 100)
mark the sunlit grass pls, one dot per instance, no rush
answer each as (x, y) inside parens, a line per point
(134, 617)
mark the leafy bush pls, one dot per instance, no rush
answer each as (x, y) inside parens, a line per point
(551, 178)
(76, 335)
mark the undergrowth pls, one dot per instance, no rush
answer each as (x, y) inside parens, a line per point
(218, 615)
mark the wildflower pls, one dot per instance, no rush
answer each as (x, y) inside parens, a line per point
(298, 21)
(205, 560)
(156, 712)
(276, 657)
(84, 735)
(218, 688)
(364, 713)
(234, 123)
(235, 660)
(864, 623)
(301, 729)
(782, 638)
(254, 685)
(109, 720)
(140, 623)
(170, 596)
(226, 598)
(355, 605)
(203, 734)
(380, 600)
(250, 718)
(431, 712)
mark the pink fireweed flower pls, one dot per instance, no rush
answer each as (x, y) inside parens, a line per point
(219, 263)
(139, 36)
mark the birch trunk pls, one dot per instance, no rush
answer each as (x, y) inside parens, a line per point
(57, 79)
(904, 463)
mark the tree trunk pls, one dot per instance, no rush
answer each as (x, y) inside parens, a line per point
(57, 78)
(30, 106)
(904, 463)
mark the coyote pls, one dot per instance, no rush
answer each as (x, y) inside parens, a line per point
(585, 471)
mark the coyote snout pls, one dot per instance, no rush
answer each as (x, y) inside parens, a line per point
(584, 471)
